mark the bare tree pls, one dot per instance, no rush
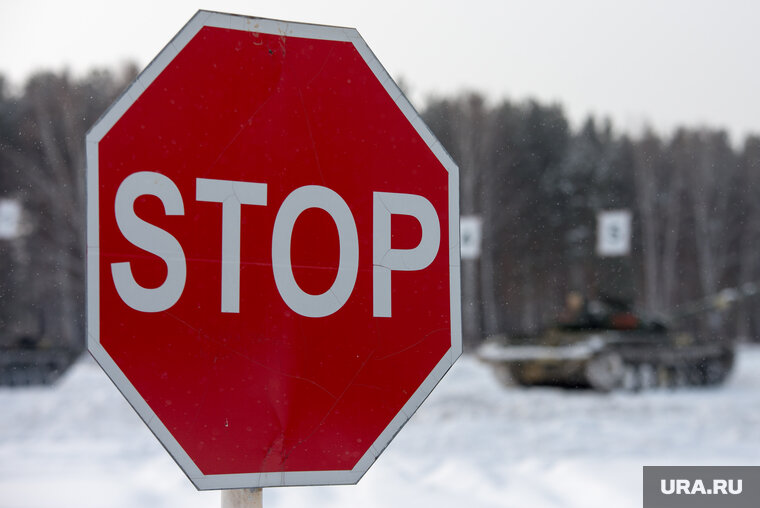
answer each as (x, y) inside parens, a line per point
(659, 189)
(461, 126)
(44, 156)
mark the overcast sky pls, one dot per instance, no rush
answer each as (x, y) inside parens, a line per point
(661, 62)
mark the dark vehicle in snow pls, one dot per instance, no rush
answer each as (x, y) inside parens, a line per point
(604, 345)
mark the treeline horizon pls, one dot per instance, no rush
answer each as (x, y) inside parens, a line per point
(536, 182)
(538, 185)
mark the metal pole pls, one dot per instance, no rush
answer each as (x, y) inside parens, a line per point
(243, 498)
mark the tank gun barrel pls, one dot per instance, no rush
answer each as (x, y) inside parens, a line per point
(720, 301)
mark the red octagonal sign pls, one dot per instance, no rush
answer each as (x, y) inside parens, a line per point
(272, 252)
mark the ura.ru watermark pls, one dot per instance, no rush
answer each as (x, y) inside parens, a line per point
(701, 486)
(716, 486)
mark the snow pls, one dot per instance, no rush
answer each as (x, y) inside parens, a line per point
(473, 443)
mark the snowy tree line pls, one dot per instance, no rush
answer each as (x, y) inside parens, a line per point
(536, 182)
(538, 185)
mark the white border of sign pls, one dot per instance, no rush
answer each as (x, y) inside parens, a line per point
(109, 119)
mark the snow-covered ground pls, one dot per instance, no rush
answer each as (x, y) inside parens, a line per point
(473, 443)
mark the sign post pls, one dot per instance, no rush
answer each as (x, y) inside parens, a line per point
(272, 253)
(242, 498)
(614, 271)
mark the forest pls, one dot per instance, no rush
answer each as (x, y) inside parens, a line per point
(536, 181)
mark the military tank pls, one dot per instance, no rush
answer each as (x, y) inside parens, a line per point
(605, 345)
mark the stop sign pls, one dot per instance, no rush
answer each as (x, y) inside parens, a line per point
(272, 252)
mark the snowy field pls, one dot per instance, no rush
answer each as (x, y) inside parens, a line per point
(473, 443)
